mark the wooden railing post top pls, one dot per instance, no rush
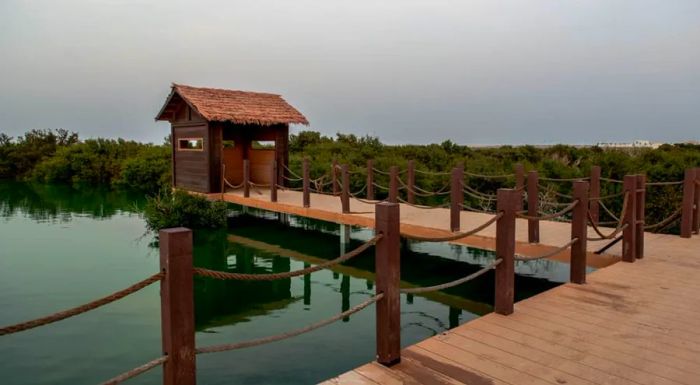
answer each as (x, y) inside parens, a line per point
(174, 230)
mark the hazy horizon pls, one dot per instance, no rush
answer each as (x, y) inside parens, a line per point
(477, 72)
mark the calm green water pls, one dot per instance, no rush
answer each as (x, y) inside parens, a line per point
(60, 247)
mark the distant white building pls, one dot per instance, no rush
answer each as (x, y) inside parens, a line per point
(635, 144)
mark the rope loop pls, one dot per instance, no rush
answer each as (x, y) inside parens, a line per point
(456, 282)
(455, 236)
(569, 207)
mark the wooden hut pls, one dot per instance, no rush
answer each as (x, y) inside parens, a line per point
(214, 130)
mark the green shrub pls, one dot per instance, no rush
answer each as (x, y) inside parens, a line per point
(148, 171)
(180, 208)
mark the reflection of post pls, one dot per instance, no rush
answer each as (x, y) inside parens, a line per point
(282, 265)
(369, 284)
(345, 293)
(344, 236)
(409, 299)
(307, 286)
(454, 316)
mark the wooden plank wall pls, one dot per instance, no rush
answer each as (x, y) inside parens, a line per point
(191, 168)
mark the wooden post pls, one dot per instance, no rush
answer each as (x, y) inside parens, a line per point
(533, 225)
(393, 184)
(345, 191)
(579, 229)
(246, 178)
(696, 212)
(305, 183)
(273, 183)
(689, 188)
(388, 274)
(629, 234)
(456, 198)
(334, 176)
(411, 182)
(594, 194)
(519, 171)
(370, 179)
(640, 204)
(177, 306)
(507, 203)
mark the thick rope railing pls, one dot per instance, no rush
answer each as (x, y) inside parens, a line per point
(565, 210)
(611, 180)
(425, 207)
(202, 272)
(434, 173)
(456, 282)
(477, 194)
(475, 210)
(562, 179)
(289, 334)
(520, 257)
(421, 192)
(675, 183)
(666, 221)
(235, 187)
(82, 308)
(444, 190)
(484, 176)
(455, 236)
(553, 191)
(604, 197)
(294, 174)
(136, 371)
(609, 212)
(620, 223)
(375, 184)
(366, 201)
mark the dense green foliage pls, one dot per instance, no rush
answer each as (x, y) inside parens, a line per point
(180, 208)
(59, 156)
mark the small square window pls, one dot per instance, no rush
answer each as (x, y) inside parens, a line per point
(190, 144)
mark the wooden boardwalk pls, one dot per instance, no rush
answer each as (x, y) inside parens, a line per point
(632, 323)
(424, 222)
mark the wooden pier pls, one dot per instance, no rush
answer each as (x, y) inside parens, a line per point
(421, 222)
(631, 323)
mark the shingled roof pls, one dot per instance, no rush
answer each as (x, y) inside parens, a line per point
(242, 107)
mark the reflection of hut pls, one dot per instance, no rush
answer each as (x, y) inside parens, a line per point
(215, 130)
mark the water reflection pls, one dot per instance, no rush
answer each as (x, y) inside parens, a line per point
(49, 203)
(261, 243)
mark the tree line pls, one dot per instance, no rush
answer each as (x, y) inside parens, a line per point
(60, 156)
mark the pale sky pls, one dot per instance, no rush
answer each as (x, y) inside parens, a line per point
(474, 72)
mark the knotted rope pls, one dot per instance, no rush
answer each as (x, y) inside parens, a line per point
(82, 308)
(293, 333)
(202, 272)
